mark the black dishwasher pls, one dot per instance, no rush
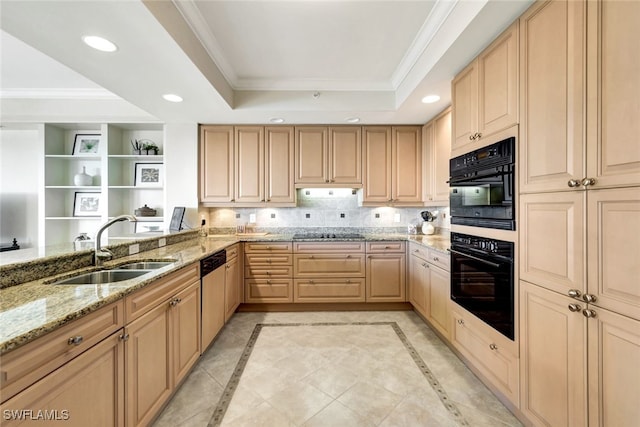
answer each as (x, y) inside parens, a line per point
(212, 281)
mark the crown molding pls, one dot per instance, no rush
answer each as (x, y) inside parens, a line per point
(56, 93)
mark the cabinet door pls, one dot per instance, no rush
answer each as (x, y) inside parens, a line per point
(464, 94)
(406, 157)
(553, 353)
(613, 226)
(186, 329)
(552, 95)
(386, 278)
(232, 288)
(614, 377)
(213, 285)
(216, 164)
(149, 371)
(87, 391)
(249, 170)
(438, 299)
(417, 284)
(441, 150)
(345, 148)
(613, 148)
(552, 240)
(279, 166)
(377, 164)
(498, 83)
(312, 152)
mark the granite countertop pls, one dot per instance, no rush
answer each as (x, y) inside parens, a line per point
(32, 309)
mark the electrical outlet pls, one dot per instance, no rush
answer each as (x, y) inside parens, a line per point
(134, 249)
(396, 217)
(162, 242)
(252, 218)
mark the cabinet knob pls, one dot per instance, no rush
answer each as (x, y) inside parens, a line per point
(470, 137)
(574, 293)
(435, 258)
(268, 282)
(492, 346)
(77, 340)
(588, 181)
(573, 183)
(478, 135)
(348, 256)
(589, 298)
(460, 322)
(124, 337)
(173, 303)
(348, 281)
(326, 180)
(268, 200)
(589, 313)
(312, 282)
(233, 200)
(574, 308)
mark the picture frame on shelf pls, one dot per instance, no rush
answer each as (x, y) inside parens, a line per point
(176, 218)
(86, 144)
(147, 226)
(149, 175)
(86, 203)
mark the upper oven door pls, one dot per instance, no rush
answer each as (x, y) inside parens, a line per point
(491, 189)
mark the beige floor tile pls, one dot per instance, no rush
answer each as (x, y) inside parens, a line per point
(370, 401)
(244, 401)
(337, 415)
(332, 379)
(418, 411)
(263, 415)
(299, 402)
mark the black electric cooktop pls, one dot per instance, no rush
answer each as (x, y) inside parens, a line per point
(328, 236)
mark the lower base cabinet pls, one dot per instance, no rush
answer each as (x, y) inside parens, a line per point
(232, 283)
(87, 391)
(213, 305)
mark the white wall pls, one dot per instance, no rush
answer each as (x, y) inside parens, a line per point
(20, 156)
(181, 168)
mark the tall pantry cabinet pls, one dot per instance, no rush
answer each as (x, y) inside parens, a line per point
(580, 213)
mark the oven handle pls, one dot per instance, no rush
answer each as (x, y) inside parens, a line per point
(492, 264)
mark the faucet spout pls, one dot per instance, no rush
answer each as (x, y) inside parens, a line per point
(100, 254)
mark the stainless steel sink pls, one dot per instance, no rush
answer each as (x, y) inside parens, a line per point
(101, 277)
(143, 265)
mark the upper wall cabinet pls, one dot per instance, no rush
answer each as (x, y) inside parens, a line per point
(485, 94)
(328, 156)
(392, 166)
(436, 136)
(246, 166)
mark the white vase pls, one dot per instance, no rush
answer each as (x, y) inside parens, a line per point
(427, 228)
(83, 179)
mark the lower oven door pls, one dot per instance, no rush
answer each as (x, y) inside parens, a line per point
(484, 287)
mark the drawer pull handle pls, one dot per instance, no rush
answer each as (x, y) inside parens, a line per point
(416, 251)
(435, 258)
(348, 281)
(573, 183)
(589, 313)
(312, 282)
(589, 298)
(268, 282)
(77, 340)
(124, 337)
(493, 346)
(460, 322)
(574, 308)
(574, 293)
(348, 256)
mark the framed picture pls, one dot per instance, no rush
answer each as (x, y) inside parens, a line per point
(148, 226)
(86, 143)
(86, 204)
(176, 219)
(149, 175)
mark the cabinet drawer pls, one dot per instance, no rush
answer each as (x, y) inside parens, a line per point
(328, 290)
(250, 247)
(268, 290)
(486, 354)
(329, 265)
(332, 247)
(150, 296)
(262, 259)
(384, 247)
(232, 251)
(266, 271)
(438, 258)
(420, 251)
(33, 361)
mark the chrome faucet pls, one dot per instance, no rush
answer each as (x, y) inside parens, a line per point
(101, 254)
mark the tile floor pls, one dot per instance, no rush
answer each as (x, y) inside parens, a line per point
(331, 369)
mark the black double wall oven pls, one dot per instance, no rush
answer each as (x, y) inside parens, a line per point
(482, 269)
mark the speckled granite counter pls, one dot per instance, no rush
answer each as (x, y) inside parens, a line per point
(32, 309)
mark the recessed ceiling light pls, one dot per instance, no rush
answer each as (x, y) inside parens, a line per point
(172, 97)
(430, 99)
(277, 120)
(353, 119)
(100, 43)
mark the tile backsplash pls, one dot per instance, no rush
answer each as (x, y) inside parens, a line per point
(326, 208)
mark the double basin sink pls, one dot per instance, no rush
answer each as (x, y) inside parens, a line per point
(115, 274)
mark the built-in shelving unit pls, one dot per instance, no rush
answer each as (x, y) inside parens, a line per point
(113, 171)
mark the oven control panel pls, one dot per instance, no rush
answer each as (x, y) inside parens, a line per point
(482, 244)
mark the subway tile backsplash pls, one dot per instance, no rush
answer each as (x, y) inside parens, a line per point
(319, 208)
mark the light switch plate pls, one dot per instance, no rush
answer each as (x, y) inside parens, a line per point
(252, 218)
(162, 242)
(396, 217)
(134, 249)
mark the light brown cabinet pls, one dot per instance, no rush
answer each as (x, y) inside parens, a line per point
(392, 166)
(268, 274)
(328, 156)
(88, 390)
(246, 166)
(233, 281)
(437, 151)
(386, 272)
(162, 341)
(485, 93)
